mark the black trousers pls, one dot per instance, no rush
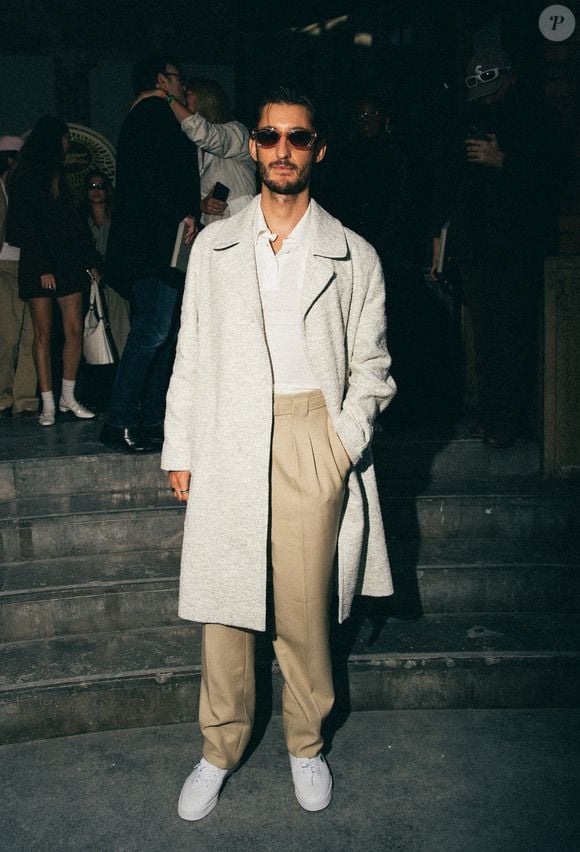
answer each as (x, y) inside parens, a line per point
(502, 294)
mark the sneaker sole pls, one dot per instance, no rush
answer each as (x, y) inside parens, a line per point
(316, 806)
(194, 816)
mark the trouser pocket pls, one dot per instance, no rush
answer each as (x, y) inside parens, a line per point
(340, 455)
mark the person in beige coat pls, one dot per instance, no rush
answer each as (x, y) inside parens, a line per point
(281, 369)
(18, 378)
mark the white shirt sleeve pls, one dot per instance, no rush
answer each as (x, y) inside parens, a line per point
(223, 140)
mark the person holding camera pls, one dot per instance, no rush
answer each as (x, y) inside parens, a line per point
(498, 187)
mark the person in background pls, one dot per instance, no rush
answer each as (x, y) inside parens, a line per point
(157, 188)
(377, 196)
(222, 147)
(17, 371)
(97, 207)
(376, 191)
(498, 184)
(56, 251)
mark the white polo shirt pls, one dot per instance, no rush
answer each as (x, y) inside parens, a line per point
(281, 281)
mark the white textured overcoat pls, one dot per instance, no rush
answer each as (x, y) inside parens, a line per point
(219, 412)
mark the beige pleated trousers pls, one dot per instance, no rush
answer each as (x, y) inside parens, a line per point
(309, 468)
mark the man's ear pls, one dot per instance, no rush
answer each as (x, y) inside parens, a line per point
(253, 151)
(320, 152)
(161, 82)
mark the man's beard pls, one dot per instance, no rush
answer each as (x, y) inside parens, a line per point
(295, 187)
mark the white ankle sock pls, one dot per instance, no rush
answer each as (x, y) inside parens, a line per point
(47, 401)
(67, 393)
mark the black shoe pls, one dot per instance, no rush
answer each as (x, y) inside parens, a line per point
(154, 435)
(6, 412)
(126, 439)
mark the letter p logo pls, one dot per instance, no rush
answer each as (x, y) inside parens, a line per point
(557, 23)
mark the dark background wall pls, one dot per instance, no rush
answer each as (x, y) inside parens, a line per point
(73, 57)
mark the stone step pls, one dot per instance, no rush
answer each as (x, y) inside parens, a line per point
(98, 531)
(420, 454)
(129, 495)
(120, 591)
(52, 527)
(78, 684)
(69, 460)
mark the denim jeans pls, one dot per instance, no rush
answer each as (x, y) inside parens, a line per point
(145, 368)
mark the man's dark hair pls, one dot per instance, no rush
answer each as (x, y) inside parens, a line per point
(144, 73)
(286, 95)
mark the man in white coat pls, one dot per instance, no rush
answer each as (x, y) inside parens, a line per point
(281, 370)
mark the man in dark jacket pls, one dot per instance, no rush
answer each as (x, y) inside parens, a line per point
(157, 187)
(498, 185)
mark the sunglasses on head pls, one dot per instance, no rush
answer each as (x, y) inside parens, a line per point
(97, 186)
(484, 76)
(268, 137)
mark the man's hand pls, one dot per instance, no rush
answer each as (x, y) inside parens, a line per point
(179, 481)
(213, 206)
(48, 282)
(486, 152)
(192, 230)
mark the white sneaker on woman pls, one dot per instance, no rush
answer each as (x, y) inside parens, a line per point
(75, 408)
(201, 790)
(312, 782)
(47, 418)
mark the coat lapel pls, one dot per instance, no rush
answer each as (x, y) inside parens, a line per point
(235, 250)
(235, 253)
(328, 243)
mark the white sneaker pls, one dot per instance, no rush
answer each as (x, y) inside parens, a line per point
(312, 782)
(199, 794)
(46, 418)
(76, 408)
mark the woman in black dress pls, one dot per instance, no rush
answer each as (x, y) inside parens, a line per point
(55, 252)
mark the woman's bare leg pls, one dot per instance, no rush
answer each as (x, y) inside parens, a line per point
(41, 310)
(72, 322)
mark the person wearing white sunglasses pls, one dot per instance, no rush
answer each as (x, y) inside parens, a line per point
(498, 185)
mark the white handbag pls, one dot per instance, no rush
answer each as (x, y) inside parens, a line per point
(97, 345)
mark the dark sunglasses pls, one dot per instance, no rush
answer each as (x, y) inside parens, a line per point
(97, 186)
(268, 137)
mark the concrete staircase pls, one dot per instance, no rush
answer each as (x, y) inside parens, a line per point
(484, 554)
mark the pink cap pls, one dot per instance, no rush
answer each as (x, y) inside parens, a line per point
(11, 143)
